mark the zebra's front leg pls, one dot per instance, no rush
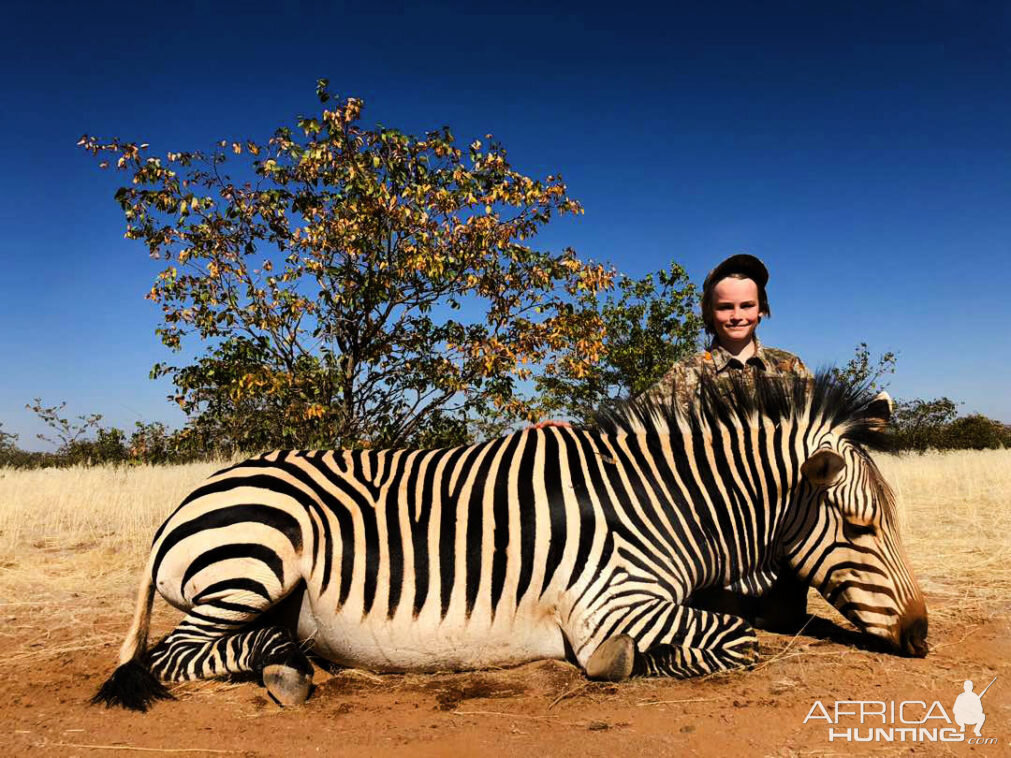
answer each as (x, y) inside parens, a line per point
(214, 639)
(672, 640)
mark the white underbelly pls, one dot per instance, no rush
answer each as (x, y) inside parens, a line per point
(430, 643)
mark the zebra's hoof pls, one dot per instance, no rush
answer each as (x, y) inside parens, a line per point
(287, 685)
(743, 653)
(613, 660)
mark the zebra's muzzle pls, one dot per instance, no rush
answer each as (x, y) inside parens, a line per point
(913, 637)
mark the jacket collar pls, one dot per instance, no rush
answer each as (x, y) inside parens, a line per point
(723, 360)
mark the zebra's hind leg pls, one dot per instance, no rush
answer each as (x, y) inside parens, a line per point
(217, 637)
(681, 661)
(673, 640)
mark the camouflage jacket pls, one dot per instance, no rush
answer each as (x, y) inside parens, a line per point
(683, 378)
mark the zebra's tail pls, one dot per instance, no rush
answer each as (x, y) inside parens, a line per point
(132, 685)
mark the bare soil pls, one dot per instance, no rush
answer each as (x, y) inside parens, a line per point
(51, 668)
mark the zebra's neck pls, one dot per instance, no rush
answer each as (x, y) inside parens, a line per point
(725, 495)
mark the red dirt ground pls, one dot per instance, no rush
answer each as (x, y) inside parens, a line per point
(544, 708)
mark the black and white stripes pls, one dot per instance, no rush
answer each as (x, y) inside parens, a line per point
(546, 543)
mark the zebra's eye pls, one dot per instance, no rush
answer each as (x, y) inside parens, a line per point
(852, 531)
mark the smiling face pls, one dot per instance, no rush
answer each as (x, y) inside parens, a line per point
(736, 312)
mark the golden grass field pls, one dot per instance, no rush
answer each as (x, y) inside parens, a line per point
(72, 543)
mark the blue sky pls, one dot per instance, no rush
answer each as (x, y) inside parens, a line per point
(862, 149)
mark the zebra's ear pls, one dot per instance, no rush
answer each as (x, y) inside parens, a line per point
(879, 410)
(823, 467)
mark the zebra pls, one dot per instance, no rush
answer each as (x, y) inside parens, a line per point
(583, 544)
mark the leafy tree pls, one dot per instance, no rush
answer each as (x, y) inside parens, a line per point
(84, 441)
(67, 433)
(10, 453)
(8, 440)
(649, 324)
(921, 424)
(154, 443)
(87, 442)
(355, 286)
(974, 432)
(861, 369)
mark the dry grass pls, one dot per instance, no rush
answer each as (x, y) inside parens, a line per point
(956, 513)
(82, 508)
(73, 540)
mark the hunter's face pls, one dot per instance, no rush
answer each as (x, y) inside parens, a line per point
(735, 311)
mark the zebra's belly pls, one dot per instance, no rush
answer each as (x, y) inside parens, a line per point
(428, 643)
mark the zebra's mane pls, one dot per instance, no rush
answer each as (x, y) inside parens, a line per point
(850, 409)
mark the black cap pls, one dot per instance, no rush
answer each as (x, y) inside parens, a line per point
(742, 263)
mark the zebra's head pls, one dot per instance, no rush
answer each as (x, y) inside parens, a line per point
(844, 539)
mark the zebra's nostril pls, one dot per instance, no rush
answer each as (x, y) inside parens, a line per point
(914, 638)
